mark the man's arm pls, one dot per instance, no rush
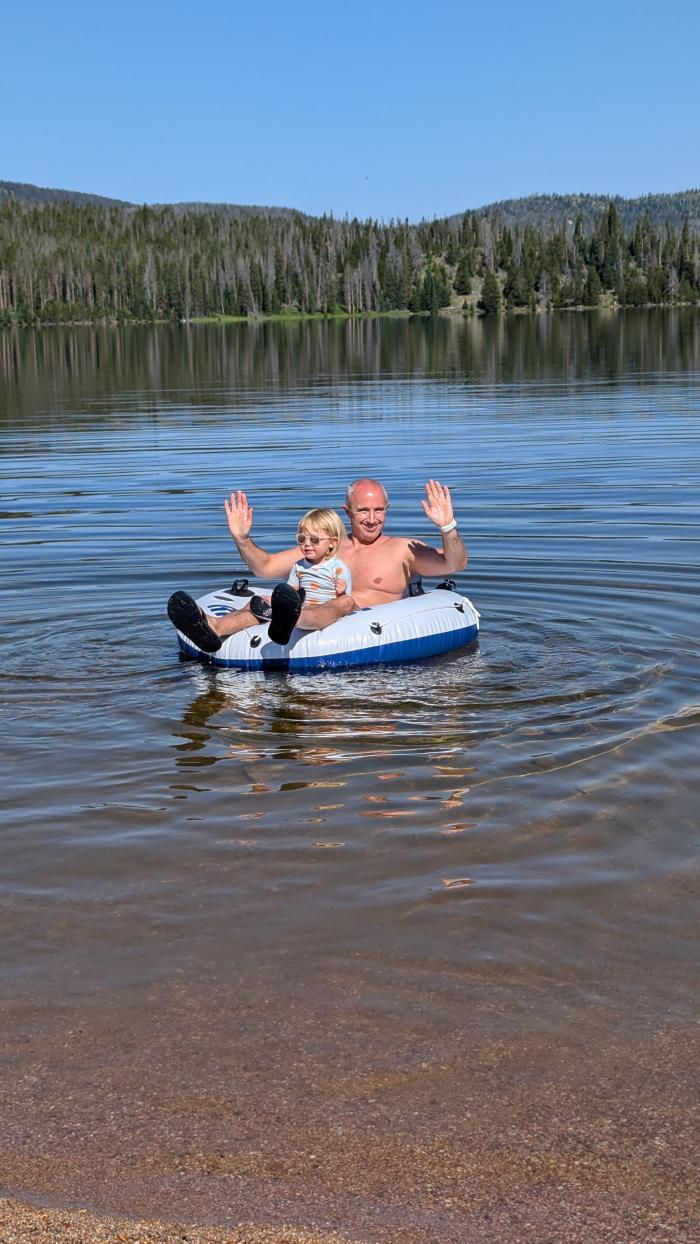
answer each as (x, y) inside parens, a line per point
(239, 516)
(453, 556)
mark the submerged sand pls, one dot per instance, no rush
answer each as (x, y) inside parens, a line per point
(324, 1106)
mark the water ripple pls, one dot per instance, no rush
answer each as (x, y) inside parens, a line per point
(546, 777)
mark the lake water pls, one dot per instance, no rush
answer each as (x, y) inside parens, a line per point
(295, 902)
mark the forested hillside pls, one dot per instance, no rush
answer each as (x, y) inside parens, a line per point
(75, 262)
(540, 210)
(547, 210)
(23, 192)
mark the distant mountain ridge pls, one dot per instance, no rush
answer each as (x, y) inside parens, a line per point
(545, 209)
(539, 210)
(40, 195)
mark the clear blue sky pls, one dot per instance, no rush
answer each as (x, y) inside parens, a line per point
(383, 109)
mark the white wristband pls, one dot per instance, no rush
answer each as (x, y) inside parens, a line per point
(449, 527)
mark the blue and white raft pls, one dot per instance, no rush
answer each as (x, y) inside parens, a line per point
(404, 630)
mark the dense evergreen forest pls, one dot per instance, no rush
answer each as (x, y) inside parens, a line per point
(70, 261)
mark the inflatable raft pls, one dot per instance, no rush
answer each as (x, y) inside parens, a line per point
(411, 629)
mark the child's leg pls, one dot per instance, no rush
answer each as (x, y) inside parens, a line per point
(316, 617)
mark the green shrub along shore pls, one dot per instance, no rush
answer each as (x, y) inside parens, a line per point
(67, 262)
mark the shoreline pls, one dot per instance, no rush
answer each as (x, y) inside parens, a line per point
(445, 313)
(24, 1223)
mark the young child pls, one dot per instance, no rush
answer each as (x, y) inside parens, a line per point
(319, 576)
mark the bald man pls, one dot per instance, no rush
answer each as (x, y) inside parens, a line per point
(381, 565)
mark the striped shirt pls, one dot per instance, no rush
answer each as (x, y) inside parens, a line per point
(319, 581)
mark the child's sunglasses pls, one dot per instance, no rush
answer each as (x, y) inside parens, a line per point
(302, 539)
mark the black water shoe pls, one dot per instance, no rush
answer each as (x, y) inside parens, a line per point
(260, 608)
(186, 615)
(286, 607)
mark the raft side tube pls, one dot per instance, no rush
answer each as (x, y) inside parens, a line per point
(410, 629)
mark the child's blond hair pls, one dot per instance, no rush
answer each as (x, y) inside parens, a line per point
(326, 521)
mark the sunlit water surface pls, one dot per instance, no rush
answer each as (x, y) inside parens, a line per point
(527, 808)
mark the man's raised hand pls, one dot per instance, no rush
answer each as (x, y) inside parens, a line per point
(438, 506)
(239, 515)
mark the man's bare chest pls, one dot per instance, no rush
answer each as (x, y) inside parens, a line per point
(382, 569)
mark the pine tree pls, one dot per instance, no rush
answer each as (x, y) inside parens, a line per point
(280, 280)
(635, 286)
(490, 300)
(610, 234)
(592, 289)
(517, 290)
(658, 285)
(579, 234)
(463, 275)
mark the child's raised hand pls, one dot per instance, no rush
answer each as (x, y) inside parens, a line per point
(341, 587)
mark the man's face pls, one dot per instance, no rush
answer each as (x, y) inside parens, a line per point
(367, 512)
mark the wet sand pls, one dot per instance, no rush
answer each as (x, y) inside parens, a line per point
(21, 1223)
(322, 1107)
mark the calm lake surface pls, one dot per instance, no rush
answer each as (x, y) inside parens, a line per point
(498, 842)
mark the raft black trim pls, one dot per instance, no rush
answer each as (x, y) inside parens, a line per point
(239, 587)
